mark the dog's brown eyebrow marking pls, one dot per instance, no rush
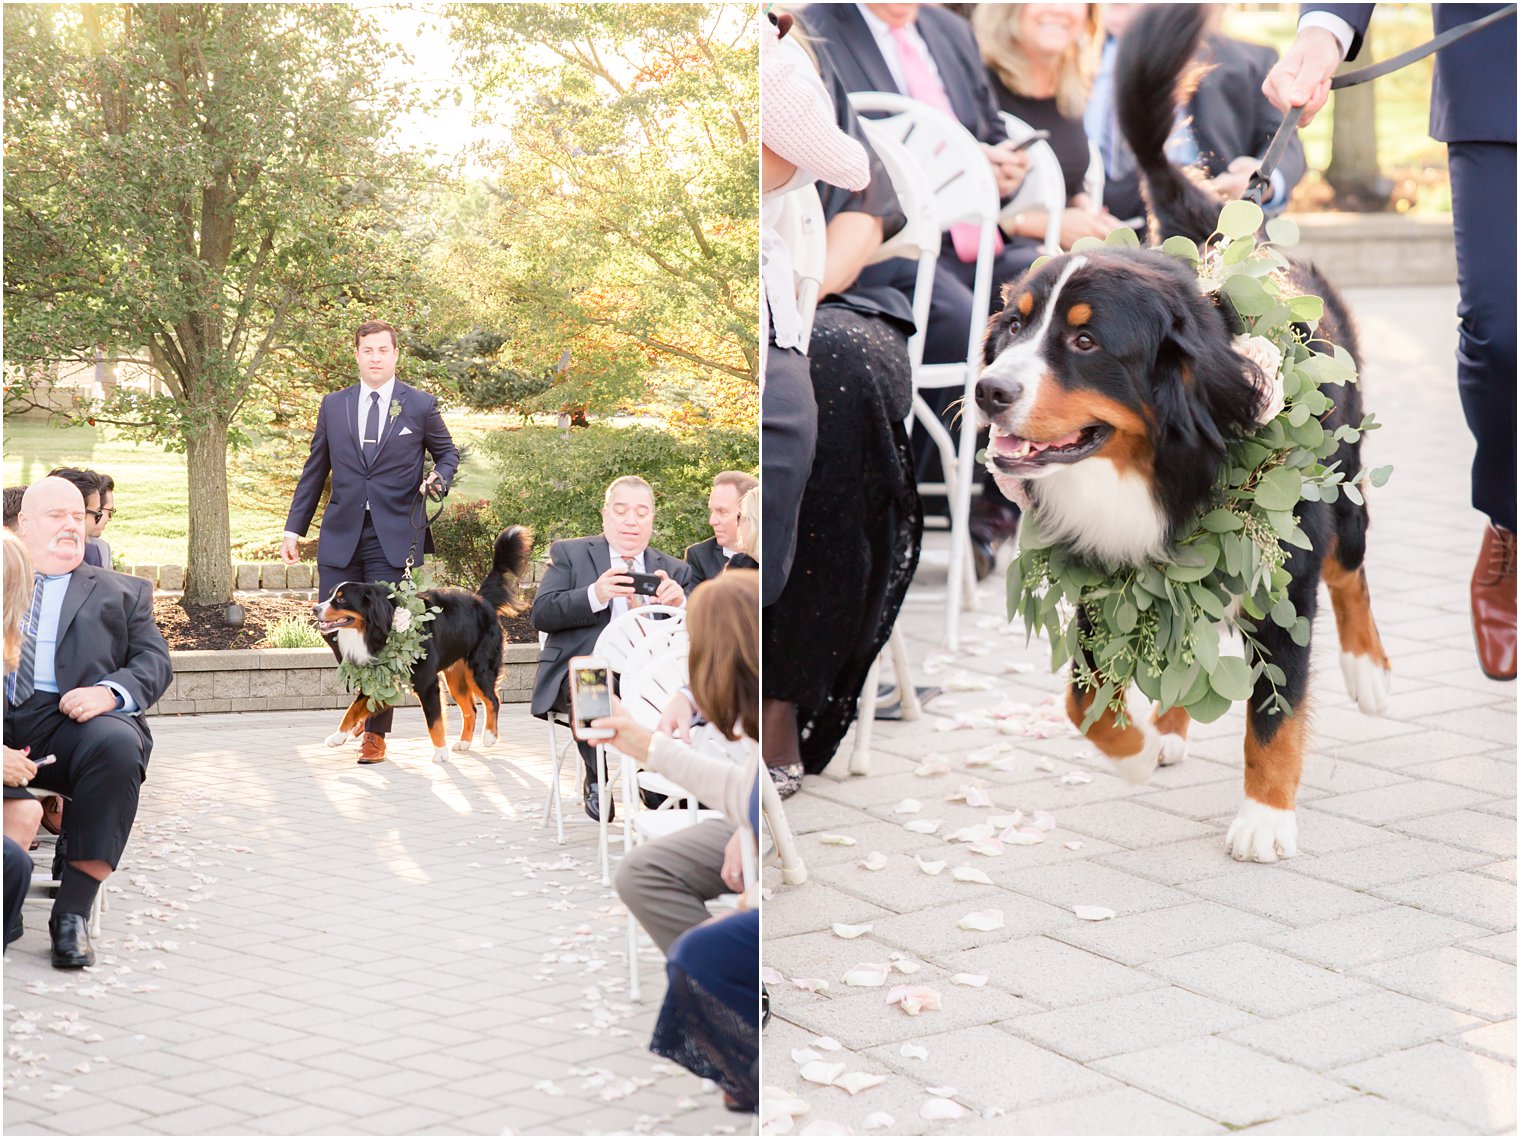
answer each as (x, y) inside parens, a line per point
(1079, 315)
(1026, 304)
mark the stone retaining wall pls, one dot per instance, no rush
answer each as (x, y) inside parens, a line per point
(251, 577)
(280, 680)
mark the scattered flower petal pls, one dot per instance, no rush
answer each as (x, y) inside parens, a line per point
(1075, 777)
(935, 766)
(878, 1121)
(1093, 913)
(825, 1127)
(941, 1109)
(857, 1082)
(907, 965)
(836, 840)
(823, 1072)
(1074, 844)
(1022, 836)
(805, 1055)
(992, 848)
(873, 861)
(867, 975)
(944, 1093)
(771, 976)
(810, 984)
(982, 920)
(970, 874)
(980, 832)
(914, 999)
(827, 1044)
(924, 826)
(970, 980)
(850, 932)
(914, 1052)
(908, 807)
(930, 868)
(1042, 821)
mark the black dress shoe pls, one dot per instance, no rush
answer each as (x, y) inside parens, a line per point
(71, 941)
(591, 797)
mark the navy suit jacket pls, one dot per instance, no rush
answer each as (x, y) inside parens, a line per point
(563, 611)
(1472, 98)
(390, 486)
(839, 31)
(706, 561)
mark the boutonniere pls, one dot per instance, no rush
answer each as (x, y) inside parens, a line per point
(395, 408)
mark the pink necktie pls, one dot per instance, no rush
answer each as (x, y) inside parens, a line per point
(923, 86)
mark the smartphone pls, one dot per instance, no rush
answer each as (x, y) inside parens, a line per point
(646, 584)
(45, 760)
(1037, 136)
(590, 697)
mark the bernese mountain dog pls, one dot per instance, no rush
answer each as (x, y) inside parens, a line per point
(1112, 389)
(464, 641)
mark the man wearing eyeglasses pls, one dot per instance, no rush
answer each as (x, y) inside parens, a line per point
(97, 522)
(91, 663)
(586, 587)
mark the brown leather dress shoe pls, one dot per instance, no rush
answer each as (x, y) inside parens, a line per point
(1493, 604)
(372, 748)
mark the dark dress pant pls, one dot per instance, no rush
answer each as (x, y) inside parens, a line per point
(18, 876)
(370, 564)
(1483, 222)
(788, 436)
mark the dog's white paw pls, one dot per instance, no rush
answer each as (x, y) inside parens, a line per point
(1174, 749)
(1367, 682)
(488, 739)
(1261, 833)
(337, 739)
(1138, 768)
(462, 745)
(440, 754)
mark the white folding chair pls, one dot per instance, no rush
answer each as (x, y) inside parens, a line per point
(1043, 188)
(964, 192)
(1093, 180)
(802, 229)
(865, 720)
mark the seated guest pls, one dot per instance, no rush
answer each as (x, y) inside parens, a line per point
(710, 1019)
(585, 588)
(95, 663)
(88, 483)
(13, 505)
(708, 558)
(1034, 53)
(23, 814)
(97, 523)
(748, 554)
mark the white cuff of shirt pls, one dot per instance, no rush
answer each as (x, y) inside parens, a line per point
(128, 704)
(597, 604)
(1343, 32)
(291, 534)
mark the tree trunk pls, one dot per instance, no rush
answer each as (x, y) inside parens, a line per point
(1353, 171)
(208, 577)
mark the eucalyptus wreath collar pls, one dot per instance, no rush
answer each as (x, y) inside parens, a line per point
(1157, 625)
(384, 680)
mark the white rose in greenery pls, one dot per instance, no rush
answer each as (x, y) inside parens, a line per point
(403, 620)
(1268, 357)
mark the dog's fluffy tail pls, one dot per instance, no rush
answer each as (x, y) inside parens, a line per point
(1152, 78)
(509, 562)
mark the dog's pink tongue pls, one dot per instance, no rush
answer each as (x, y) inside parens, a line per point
(1009, 443)
(1065, 440)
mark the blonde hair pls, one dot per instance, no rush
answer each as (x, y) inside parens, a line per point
(749, 522)
(998, 34)
(18, 596)
(723, 622)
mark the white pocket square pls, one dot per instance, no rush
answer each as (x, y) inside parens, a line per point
(405, 431)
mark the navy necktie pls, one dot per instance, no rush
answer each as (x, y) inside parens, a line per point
(24, 679)
(372, 429)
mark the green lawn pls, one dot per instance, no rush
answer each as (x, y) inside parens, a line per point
(151, 492)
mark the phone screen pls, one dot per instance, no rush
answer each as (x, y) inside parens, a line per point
(593, 695)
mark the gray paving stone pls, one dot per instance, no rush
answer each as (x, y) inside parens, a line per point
(1470, 830)
(1050, 973)
(936, 932)
(1223, 1081)
(1157, 934)
(1364, 1115)
(1258, 980)
(1137, 1112)
(1474, 1090)
(1372, 1024)
(1397, 860)
(1496, 1041)
(859, 1018)
(1451, 976)
(1479, 772)
(1380, 935)
(1086, 883)
(1130, 824)
(1401, 801)
(1128, 1023)
(1460, 894)
(1278, 893)
(1176, 863)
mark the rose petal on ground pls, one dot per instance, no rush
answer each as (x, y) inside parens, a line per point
(1044, 765)
(944, 1093)
(1022, 836)
(992, 848)
(970, 874)
(873, 861)
(836, 840)
(984, 921)
(914, 999)
(907, 965)
(1074, 844)
(776, 1102)
(771, 976)
(1093, 913)
(877, 1121)
(827, 1044)
(908, 807)
(941, 1109)
(1075, 777)
(867, 975)
(930, 868)
(810, 984)
(857, 1082)
(850, 932)
(936, 766)
(978, 832)
(924, 826)
(914, 1052)
(823, 1072)
(805, 1055)
(985, 756)
(970, 980)
(1042, 821)
(1003, 822)
(781, 1125)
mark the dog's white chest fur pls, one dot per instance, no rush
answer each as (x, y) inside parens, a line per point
(1102, 512)
(351, 645)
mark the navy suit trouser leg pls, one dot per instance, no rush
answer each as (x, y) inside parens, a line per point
(18, 876)
(788, 437)
(1483, 220)
(370, 564)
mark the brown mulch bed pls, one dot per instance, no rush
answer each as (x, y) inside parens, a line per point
(203, 627)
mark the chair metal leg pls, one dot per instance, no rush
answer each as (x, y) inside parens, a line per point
(553, 800)
(911, 708)
(865, 722)
(602, 799)
(635, 993)
(793, 870)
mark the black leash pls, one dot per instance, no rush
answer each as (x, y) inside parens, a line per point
(1256, 189)
(439, 494)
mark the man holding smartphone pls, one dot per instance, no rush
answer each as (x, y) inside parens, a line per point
(589, 583)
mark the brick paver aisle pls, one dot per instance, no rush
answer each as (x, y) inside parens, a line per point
(299, 945)
(1364, 987)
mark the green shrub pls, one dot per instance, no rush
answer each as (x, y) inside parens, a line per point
(463, 538)
(294, 633)
(555, 483)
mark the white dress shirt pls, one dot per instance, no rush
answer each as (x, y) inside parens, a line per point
(49, 617)
(385, 390)
(619, 604)
(883, 34)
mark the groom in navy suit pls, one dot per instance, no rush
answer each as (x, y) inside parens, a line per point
(371, 438)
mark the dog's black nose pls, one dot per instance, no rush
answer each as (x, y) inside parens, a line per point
(995, 395)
